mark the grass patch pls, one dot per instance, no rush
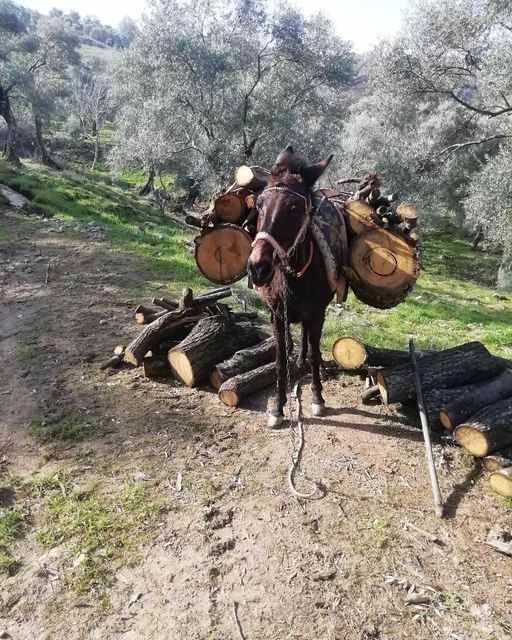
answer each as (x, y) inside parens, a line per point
(13, 523)
(68, 425)
(27, 352)
(102, 529)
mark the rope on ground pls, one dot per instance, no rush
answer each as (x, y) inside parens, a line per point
(319, 490)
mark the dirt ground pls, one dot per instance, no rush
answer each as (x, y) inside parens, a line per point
(368, 561)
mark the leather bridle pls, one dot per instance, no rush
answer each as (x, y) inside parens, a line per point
(278, 249)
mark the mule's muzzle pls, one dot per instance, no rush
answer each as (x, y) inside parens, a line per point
(261, 271)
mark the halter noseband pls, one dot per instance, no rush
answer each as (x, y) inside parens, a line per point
(278, 249)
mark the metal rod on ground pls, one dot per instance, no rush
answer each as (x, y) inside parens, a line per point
(438, 503)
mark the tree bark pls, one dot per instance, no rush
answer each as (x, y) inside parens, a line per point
(41, 145)
(146, 189)
(156, 366)
(157, 331)
(453, 413)
(467, 363)
(97, 150)
(234, 389)
(498, 460)
(10, 152)
(501, 482)
(212, 340)
(436, 398)
(242, 361)
(488, 430)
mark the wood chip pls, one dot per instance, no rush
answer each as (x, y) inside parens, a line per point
(179, 482)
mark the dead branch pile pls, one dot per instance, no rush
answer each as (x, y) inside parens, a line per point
(467, 392)
(197, 339)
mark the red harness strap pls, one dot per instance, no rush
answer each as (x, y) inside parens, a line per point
(308, 261)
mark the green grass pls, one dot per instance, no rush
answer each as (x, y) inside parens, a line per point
(131, 224)
(99, 526)
(68, 425)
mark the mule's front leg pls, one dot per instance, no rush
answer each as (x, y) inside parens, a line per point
(276, 416)
(314, 335)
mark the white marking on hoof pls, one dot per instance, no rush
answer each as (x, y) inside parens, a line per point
(318, 409)
(274, 422)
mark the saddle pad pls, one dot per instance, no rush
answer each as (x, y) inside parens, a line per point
(329, 230)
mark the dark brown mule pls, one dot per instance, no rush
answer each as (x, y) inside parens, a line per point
(287, 264)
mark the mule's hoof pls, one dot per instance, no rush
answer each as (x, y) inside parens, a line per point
(318, 409)
(274, 422)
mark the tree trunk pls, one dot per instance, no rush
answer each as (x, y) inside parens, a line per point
(437, 398)
(11, 146)
(353, 355)
(455, 412)
(467, 363)
(504, 281)
(41, 145)
(479, 236)
(212, 340)
(157, 331)
(97, 150)
(501, 482)
(488, 430)
(234, 389)
(499, 460)
(146, 189)
(242, 361)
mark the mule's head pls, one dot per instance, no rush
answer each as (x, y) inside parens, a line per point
(283, 213)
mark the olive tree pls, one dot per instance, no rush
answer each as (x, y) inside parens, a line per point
(214, 83)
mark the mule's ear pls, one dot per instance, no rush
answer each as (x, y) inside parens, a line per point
(289, 148)
(311, 174)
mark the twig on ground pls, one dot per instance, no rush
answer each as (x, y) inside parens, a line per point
(237, 622)
(47, 279)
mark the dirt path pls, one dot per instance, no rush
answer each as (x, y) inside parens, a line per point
(331, 569)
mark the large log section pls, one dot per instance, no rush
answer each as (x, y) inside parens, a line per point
(212, 340)
(244, 360)
(234, 389)
(455, 412)
(488, 430)
(461, 365)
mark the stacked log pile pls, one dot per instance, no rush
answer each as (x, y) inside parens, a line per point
(228, 227)
(197, 339)
(467, 392)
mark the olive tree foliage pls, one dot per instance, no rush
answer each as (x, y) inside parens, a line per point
(438, 107)
(210, 84)
(36, 54)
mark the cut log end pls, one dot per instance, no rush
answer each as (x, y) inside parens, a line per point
(501, 482)
(181, 368)
(445, 420)
(472, 440)
(229, 397)
(381, 383)
(349, 353)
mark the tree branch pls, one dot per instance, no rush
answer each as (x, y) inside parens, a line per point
(453, 148)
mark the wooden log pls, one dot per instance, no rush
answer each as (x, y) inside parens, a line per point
(157, 331)
(113, 362)
(351, 354)
(383, 268)
(156, 366)
(453, 413)
(407, 213)
(166, 303)
(211, 341)
(142, 318)
(436, 398)
(230, 206)
(142, 313)
(467, 363)
(253, 178)
(501, 482)
(488, 430)
(235, 389)
(242, 361)
(222, 252)
(360, 216)
(193, 221)
(499, 460)
(119, 349)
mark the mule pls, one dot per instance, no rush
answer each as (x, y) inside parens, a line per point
(287, 265)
